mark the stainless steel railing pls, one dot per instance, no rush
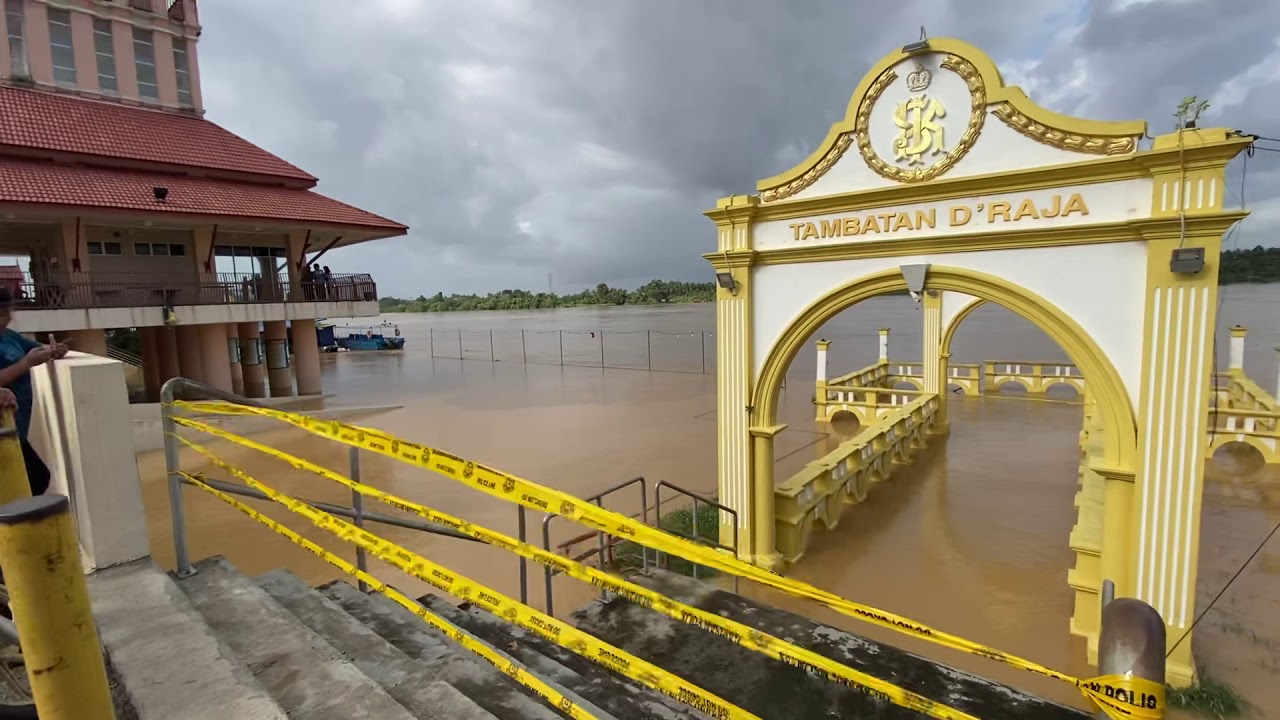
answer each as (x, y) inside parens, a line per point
(182, 388)
(603, 541)
(695, 536)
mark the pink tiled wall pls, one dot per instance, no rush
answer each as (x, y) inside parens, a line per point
(123, 16)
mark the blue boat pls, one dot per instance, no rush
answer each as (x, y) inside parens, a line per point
(378, 337)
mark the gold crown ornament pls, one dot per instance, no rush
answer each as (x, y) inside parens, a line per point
(918, 80)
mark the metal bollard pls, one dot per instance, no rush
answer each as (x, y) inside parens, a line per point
(1132, 642)
(40, 557)
(13, 469)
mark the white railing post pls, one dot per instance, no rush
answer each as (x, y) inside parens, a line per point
(1235, 358)
(884, 344)
(1277, 394)
(823, 345)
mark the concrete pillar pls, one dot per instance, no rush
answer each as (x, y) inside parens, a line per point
(233, 354)
(764, 550)
(190, 362)
(823, 346)
(90, 455)
(884, 345)
(150, 340)
(276, 336)
(255, 385)
(306, 357)
(1235, 359)
(167, 352)
(91, 342)
(213, 356)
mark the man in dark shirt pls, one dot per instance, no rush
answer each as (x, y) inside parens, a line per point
(18, 355)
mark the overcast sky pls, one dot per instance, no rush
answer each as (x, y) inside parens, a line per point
(584, 138)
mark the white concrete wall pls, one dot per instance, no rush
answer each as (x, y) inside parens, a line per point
(88, 447)
(63, 320)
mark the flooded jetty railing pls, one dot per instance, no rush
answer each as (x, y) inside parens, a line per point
(853, 391)
(1243, 412)
(867, 403)
(819, 492)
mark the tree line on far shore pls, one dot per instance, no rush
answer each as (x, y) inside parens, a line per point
(654, 292)
(1256, 265)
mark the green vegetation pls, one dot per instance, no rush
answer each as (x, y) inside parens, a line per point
(651, 293)
(125, 339)
(679, 522)
(1209, 698)
(1259, 265)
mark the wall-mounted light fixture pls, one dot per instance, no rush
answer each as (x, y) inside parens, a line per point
(1187, 260)
(919, 45)
(914, 275)
(725, 280)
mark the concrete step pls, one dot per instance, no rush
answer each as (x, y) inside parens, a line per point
(306, 676)
(170, 663)
(404, 678)
(614, 693)
(443, 659)
(771, 689)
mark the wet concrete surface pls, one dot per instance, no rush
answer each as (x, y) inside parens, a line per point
(971, 538)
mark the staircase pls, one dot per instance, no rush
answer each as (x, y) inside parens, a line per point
(222, 645)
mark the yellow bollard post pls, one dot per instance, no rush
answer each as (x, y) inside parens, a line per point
(40, 557)
(13, 470)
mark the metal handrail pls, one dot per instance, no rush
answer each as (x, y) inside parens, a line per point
(192, 390)
(602, 537)
(657, 499)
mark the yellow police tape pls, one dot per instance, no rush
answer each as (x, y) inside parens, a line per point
(513, 670)
(464, 588)
(1119, 696)
(743, 635)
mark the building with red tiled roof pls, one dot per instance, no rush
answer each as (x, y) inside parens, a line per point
(131, 210)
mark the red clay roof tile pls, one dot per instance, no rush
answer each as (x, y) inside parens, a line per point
(61, 123)
(40, 182)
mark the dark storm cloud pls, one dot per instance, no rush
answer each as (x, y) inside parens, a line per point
(526, 137)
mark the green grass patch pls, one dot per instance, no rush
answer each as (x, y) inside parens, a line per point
(680, 522)
(1208, 697)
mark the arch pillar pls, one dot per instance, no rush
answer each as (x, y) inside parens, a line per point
(931, 354)
(745, 465)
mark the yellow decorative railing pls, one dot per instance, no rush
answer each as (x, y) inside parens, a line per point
(1244, 412)
(1036, 377)
(843, 476)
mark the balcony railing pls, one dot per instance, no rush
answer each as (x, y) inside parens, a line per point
(64, 290)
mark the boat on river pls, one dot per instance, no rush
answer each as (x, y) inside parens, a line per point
(359, 338)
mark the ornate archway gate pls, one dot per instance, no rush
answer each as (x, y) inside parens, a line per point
(938, 166)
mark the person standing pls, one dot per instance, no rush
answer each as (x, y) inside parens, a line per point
(18, 355)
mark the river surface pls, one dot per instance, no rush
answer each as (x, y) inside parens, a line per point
(971, 538)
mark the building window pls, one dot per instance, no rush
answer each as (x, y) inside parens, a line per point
(15, 18)
(182, 68)
(160, 249)
(105, 248)
(60, 42)
(104, 46)
(144, 58)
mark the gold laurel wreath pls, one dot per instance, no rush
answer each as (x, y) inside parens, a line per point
(1093, 144)
(833, 155)
(977, 116)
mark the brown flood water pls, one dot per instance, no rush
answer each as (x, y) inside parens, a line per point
(971, 538)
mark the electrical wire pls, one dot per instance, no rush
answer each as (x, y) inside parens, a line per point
(1224, 589)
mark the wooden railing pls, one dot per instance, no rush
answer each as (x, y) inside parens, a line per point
(63, 290)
